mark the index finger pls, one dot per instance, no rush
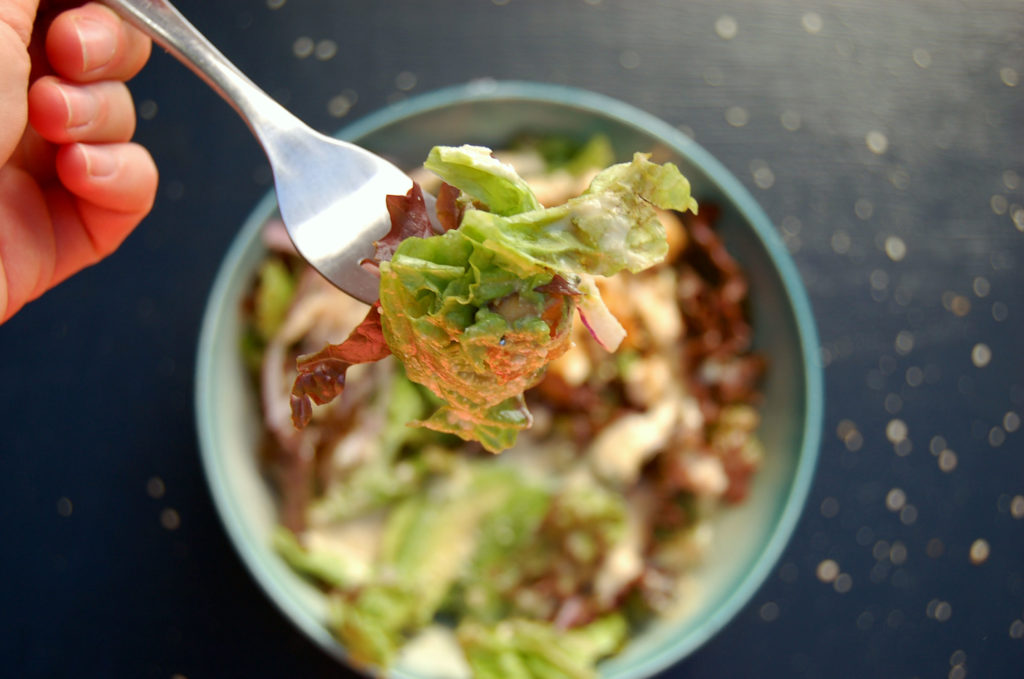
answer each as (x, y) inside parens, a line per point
(91, 43)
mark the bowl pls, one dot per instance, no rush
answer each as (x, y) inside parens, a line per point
(490, 113)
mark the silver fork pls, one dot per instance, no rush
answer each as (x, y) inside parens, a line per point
(331, 193)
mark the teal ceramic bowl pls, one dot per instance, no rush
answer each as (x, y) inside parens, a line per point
(751, 536)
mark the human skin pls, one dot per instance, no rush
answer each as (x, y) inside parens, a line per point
(72, 185)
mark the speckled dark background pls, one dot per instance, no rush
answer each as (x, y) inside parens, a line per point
(886, 141)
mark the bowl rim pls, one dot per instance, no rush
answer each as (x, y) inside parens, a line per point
(489, 90)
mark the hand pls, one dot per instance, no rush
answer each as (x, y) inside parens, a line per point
(72, 187)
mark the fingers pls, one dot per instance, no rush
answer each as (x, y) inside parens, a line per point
(63, 112)
(83, 233)
(113, 187)
(120, 178)
(51, 229)
(91, 43)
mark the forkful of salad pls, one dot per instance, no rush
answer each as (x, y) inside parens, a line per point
(331, 194)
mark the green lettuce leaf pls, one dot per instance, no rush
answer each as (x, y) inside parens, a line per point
(274, 293)
(473, 330)
(496, 427)
(507, 553)
(272, 297)
(321, 567)
(563, 153)
(612, 226)
(520, 648)
(479, 174)
(374, 622)
(377, 481)
(427, 542)
(595, 154)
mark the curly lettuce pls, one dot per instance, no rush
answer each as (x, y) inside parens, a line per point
(476, 313)
(472, 331)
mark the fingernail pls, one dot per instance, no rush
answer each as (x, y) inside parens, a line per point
(98, 43)
(81, 104)
(100, 162)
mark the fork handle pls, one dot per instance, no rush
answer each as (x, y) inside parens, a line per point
(162, 22)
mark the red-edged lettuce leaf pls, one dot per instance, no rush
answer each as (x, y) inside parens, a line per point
(449, 211)
(559, 286)
(321, 375)
(409, 219)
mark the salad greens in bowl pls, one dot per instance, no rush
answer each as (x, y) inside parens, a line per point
(401, 499)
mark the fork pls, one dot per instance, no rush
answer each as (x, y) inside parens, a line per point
(330, 193)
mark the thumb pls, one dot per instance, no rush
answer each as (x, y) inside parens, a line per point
(16, 19)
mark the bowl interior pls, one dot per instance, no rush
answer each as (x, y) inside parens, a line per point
(749, 537)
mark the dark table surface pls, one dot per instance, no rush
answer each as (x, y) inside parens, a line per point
(884, 139)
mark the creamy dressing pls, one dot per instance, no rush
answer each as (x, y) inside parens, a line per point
(355, 543)
(434, 653)
(620, 449)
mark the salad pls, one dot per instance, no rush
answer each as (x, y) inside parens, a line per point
(540, 561)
